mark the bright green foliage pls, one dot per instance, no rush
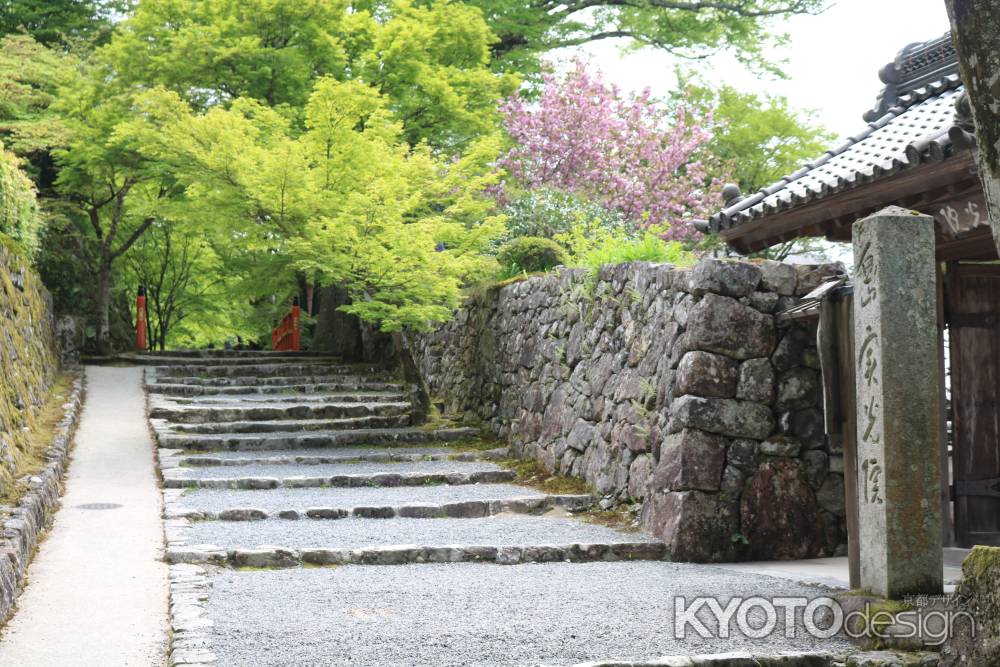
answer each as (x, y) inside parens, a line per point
(648, 248)
(761, 136)
(30, 76)
(20, 218)
(531, 254)
(348, 201)
(429, 61)
(688, 28)
(59, 22)
(546, 211)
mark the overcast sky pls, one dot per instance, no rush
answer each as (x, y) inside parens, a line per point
(833, 58)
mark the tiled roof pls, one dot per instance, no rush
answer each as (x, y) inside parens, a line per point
(917, 128)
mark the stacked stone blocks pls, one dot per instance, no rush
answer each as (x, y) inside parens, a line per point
(677, 388)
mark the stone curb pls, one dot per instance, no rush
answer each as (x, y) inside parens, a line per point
(270, 441)
(21, 532)
(469, 509)
(277, 557)
(190, 638)
(736, 659)
(347, 481)
(208, 461)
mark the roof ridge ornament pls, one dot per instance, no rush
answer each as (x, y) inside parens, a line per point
(917, 65)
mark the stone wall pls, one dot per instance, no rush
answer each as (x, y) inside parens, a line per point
(679, 389)
(28, 358)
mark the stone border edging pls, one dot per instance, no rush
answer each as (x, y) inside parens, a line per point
(278, 557)
(464, 509)
(382, 479)
(21, 532)
(190, 638)
(735, 659)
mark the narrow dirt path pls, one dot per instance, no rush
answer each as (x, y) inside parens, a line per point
(97, 591)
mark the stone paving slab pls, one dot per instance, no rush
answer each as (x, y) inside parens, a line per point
(318, 439)
(376, 479)
(176, 389)
(217, 500)
(285, 425)
(313, 397)
(476, 614)
(337, 455)
(331, 469)
(270, 411)
(351, 533)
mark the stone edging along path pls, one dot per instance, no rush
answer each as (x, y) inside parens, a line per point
(23, 529)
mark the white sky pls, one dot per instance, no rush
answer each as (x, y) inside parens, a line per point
(833, 59)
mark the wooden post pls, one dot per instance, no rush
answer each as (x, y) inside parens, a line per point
(140, 320)
(296, 331)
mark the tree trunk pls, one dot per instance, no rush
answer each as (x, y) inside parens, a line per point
(420, 398)
(337, 332)
(104, 307)
(976, 34)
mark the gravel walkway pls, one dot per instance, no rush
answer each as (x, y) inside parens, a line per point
(216, 500)
(354, 533)
(472, 614)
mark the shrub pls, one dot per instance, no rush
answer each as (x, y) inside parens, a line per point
(648, 248)
(531, 253)
(20, 217)
(548, 212)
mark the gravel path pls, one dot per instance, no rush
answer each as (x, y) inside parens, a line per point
(216, 500)
(352, 533)
(329, 469)
(471, 614)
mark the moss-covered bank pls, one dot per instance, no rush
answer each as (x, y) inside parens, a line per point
(28, 359)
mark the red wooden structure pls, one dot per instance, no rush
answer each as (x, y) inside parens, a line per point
(287, 335)
(141, 322)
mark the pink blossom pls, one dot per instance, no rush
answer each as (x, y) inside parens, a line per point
(627, 152)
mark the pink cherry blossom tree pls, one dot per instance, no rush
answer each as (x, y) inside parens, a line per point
(629, 153)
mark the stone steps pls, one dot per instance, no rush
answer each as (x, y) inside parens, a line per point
(298, 369)
(297, 440)
(261, 483)
(240, 360)
(464, 509)
(317, 397)
(175, 389)
(278, 381)
(269, 412)
(285, 425)
(279, 557)
(345, 455)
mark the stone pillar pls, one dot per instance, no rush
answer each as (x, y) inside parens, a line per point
(896, 353)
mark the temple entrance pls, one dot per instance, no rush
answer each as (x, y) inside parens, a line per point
(973, 319)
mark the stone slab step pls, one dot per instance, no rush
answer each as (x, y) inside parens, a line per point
(519, 530)
(228, 360)
(305, 425)
(272, 399)
(282, 381)
(169, 389)
(298, 470)
(297, 369)
(213, 501)
(321, 439)
(465, 509)
(341, 480)
(343, 455)
(280, 557)
(195, 414)
(485, 615)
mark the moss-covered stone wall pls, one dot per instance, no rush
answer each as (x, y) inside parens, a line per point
(28, 359)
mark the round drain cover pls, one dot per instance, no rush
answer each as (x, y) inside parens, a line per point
(98, 506)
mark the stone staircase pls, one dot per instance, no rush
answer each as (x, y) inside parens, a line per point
(277, 466)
